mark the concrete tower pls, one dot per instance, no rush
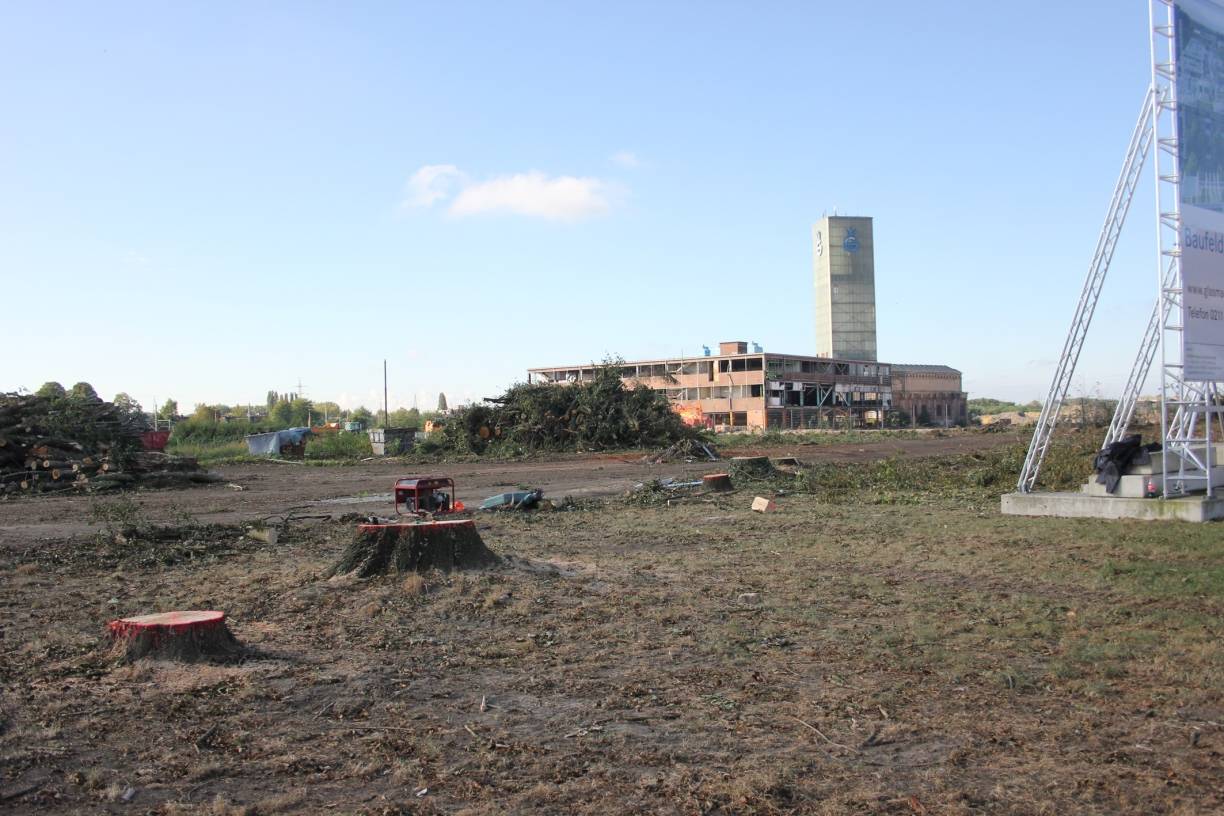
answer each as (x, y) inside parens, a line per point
(844, 259)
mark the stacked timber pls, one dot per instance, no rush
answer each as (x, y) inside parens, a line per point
(76, 443)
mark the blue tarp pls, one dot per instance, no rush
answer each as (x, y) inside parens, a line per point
(270, 444)
(524, 499)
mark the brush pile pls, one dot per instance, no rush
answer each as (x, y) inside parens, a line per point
(76, 441)
(686, 450)
(592, 415)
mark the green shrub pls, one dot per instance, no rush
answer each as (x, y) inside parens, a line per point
(210, 452)
(341, 445)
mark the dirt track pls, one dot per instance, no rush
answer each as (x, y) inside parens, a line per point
(274, 488)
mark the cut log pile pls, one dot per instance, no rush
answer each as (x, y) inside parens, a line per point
(63, 444)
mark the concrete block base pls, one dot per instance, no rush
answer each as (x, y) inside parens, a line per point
(1080, 505)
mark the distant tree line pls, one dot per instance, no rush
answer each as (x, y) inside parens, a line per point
(986, 405)
(220, 422)
(280, 410)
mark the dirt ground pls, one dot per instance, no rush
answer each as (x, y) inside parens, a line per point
(924, 655)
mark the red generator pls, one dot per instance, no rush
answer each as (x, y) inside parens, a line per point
(418, 495)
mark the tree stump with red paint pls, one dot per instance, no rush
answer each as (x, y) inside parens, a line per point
(720, 482)
(188, 636)
(416, 547)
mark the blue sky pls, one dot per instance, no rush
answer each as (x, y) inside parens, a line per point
(207, 201)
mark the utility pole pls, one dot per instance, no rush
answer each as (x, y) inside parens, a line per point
(386, 414)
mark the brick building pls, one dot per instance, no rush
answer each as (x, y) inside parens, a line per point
(930, 394)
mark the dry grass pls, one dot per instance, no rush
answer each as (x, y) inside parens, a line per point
(414, 584)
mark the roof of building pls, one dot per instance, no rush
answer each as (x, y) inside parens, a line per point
(708, 357)
(904, 368)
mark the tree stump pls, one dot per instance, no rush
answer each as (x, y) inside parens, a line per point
(719, 482)
(187, 636)
(415, 547)
(752, 467)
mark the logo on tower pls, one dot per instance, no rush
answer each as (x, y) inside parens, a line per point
(819, 244)
(851, 244)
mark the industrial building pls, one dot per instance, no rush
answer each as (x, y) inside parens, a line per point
(842, 385)
(738, 388)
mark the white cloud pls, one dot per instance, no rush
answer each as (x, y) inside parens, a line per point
(626, 159)
(558, 198)
(533, 194)
(431, 183)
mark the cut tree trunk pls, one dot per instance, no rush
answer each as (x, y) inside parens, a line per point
(417, 547)
(187, 636)
(720, 482)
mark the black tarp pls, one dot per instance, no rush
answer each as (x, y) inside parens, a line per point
(1116, 458)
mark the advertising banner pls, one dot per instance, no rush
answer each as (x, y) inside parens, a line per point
(1200, 128)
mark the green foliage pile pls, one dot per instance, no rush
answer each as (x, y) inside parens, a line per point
(1068, 464)
(601, 414)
